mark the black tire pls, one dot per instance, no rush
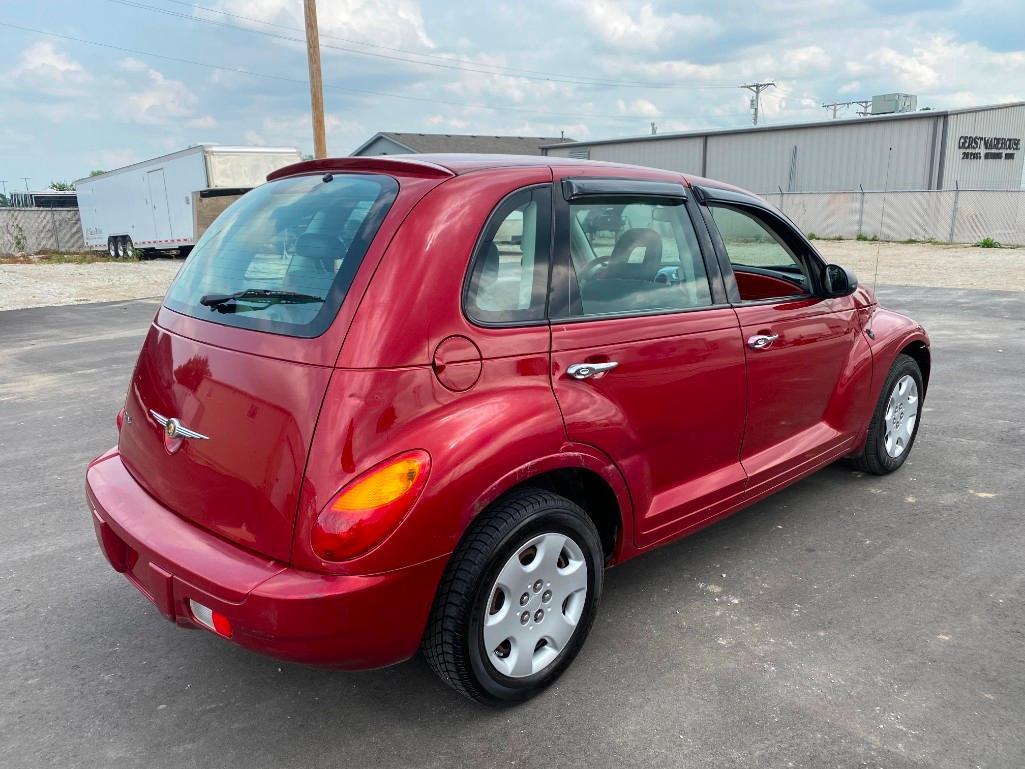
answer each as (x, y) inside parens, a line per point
(112, 248)
(453, 643)
(125, 249)
(873, 457)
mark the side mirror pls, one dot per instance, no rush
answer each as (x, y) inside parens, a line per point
(838, 281)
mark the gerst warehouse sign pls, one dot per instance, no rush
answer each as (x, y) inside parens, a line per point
(996, 147)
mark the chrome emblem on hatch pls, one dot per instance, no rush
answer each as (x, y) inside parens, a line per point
(175, 429)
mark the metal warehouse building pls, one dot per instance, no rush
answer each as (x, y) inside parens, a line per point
(978, 148)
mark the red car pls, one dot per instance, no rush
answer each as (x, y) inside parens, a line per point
(422, 402)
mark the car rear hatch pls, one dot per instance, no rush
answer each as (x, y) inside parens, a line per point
(226, 394)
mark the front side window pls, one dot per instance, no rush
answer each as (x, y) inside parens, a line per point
(634, 256)
(764, 265)
(282, 257)
(509, 278)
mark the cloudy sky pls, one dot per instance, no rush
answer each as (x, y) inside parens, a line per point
(158, 75)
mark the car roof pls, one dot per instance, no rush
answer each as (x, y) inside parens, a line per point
(456, 164)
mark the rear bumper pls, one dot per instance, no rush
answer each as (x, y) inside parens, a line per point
(348, 622)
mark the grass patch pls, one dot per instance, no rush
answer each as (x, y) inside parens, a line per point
(987, 243)
(62, 257)
(862, 236)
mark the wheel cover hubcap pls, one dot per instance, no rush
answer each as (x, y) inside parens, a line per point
(900, 416)
(535, 605)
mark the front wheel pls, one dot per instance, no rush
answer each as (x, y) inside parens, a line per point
(517, 599)
(894, 425)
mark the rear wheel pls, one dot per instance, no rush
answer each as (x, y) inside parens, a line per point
(894, 425)
(112, 248)
(517, 600)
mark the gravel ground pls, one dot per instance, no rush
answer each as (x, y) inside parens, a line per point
(914, 264)
(47, 285)
(928, 264)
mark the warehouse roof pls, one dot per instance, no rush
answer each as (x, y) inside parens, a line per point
(922, 113)
(448, 143)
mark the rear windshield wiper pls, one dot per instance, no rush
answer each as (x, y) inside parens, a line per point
(258, 296)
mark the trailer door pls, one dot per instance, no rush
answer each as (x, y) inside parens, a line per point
(158, 204)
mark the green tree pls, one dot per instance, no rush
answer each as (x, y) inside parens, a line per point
(97, 172)
(62, 186)
(4, 203)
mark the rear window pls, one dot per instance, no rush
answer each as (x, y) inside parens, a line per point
(283, 256)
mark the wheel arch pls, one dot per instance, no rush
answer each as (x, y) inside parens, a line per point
(593, 482)
(919, 351)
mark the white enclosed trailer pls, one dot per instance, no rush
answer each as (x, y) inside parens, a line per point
(166, 203)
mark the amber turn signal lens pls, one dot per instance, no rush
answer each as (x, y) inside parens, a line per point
(381, 487)
(364, 512)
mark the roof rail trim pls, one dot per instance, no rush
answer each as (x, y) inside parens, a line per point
(379, 163)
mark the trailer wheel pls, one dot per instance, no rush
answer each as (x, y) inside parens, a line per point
(125, 248)
(112, 247)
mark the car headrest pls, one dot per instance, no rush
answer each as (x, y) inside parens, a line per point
(320, 248)
(639, 237)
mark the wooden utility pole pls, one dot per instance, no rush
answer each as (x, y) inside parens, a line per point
(756, 100)
(316, 82)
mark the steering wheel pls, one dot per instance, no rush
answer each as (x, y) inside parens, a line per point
(588, 272)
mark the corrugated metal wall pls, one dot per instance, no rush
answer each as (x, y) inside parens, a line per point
(826, 158)
(832, 157)
(1008, 122)
(683, 155)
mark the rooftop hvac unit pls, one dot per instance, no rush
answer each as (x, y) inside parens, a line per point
(889, 103)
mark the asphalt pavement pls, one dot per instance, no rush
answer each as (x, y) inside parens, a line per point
(848, 621)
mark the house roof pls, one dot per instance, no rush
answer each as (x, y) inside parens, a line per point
(474, 143)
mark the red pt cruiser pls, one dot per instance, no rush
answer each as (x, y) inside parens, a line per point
(423, 402)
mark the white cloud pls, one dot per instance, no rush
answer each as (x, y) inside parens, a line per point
(42, 62)
(629, 26)
(132, 65)
(162, 101)
(641, 107)
(393, 23)
(295, 130)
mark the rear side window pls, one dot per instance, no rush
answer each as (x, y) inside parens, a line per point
(282, 258)
(509, 278)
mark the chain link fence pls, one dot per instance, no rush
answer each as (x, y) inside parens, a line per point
(946, 216)
(31, 230)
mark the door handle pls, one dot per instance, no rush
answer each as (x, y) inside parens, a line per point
(761, 341)
(590, 370)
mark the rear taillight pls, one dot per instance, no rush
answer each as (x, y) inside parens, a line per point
(120, 419)
(369, 508)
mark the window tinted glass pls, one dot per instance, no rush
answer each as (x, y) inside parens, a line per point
(509, 281)
(282, 257)
(635, 256)
(763, 264)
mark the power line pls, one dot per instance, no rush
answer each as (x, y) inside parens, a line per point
(361, 91)
(443, 63)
